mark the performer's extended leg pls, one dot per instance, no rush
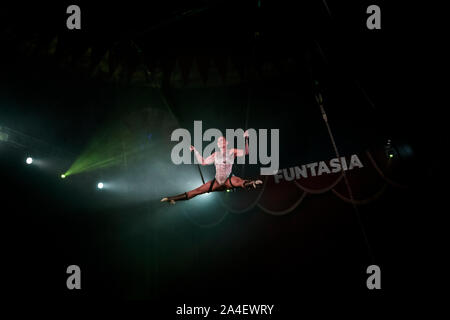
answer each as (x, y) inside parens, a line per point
(237, 182)
(204, 188)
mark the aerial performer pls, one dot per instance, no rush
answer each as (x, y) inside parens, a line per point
(224, 179)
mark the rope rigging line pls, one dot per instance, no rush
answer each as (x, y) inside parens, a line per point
(370, 102)
(319, 100)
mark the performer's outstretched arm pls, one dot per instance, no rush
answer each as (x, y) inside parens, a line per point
(201, 160)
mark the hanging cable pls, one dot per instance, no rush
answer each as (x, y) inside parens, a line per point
(319, 100)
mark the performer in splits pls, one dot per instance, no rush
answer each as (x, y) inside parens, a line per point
(223, 160)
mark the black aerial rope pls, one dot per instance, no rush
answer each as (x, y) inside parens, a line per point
(201, 174)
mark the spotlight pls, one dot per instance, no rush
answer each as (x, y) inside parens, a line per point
(63, 176)
(100, 185)
(29, 160)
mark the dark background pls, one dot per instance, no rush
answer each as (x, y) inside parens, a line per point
(132, 247)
